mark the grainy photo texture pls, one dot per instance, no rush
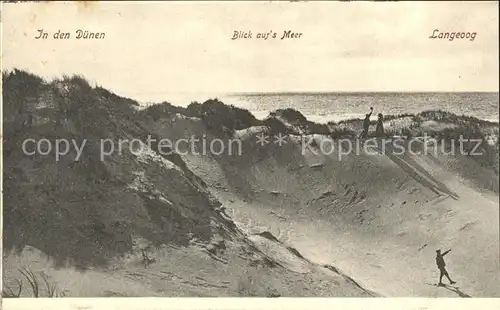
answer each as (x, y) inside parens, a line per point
(323, 149)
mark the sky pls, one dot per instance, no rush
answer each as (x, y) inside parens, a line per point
(153, 49)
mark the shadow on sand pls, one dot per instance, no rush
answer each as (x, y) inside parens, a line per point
(416, 171)
(457, 291)
(453, 289)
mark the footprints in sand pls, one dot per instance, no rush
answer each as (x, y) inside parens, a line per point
(360, 216)
(423, 217)
(356, 196)
(281, 217)
(451, 213)
(332, 200)
(422, 247)
(412, 191)
(468, 225)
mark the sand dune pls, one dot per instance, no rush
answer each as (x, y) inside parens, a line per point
(272, 221)
(133, 223)
(380, 218)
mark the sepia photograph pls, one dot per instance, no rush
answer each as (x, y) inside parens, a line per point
(257, 152)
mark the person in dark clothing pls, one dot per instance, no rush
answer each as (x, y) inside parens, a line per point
(379, 130)
(442, 267)
(366, 124)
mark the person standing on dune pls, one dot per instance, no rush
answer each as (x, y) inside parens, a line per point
(379, 130)
(442, 267)
(366, 124)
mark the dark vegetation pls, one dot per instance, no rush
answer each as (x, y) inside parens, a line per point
(82, 212)
(297, 119)
(162, 110)
(220, 118)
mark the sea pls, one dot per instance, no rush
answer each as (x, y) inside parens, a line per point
(325, 107)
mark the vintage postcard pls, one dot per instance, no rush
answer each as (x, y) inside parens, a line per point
(257, 152)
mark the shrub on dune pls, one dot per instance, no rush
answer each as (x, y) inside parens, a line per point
(275, 126)
(113, 97)
(320, 129)
(220, 118)
(160, 110)
(292, 116)
(194, 109)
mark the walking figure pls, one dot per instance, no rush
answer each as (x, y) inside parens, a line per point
(366, 124)
(442, 267)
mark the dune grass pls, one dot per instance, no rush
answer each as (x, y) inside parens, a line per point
(40, 286)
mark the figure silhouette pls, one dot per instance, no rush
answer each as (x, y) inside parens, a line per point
(366, 124)
(379, 130)
(442, 267)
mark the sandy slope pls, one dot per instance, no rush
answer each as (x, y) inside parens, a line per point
(196, 248)
(261, 267)
(318, 226)
(378, 218)
(95, 216)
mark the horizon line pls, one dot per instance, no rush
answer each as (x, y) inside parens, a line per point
(365, 92)
(221, 94)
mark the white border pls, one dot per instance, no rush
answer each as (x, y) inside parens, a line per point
(250, 303)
